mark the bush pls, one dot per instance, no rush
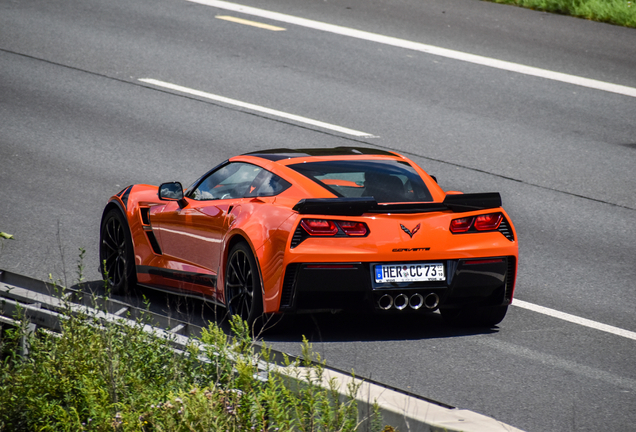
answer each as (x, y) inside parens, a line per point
(101, 376)
(618, 12)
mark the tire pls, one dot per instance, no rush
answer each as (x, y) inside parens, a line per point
(488, 316)
(116, 254)
(243, 296)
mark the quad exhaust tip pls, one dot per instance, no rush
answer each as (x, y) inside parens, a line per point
(415, 302)
(385, 302)
(431, 301)
(401, 301)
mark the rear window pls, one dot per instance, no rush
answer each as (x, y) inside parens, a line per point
(386, 181)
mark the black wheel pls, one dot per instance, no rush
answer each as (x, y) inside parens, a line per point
(243, 295)
(488, 316)
(116, 254)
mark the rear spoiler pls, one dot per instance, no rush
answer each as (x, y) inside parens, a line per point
(475, 201)
(358, 206)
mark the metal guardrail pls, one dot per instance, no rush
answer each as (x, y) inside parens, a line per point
(42, 303)
(42, 300)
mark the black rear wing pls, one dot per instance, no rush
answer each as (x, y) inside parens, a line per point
(358, 206)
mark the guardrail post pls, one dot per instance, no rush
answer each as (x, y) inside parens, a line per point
(24, 341)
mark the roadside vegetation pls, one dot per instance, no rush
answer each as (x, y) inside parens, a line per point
(618, 12)
(4, 236)
(98, 375)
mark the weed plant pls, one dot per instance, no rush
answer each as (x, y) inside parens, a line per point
(618, 12)
(112, 376)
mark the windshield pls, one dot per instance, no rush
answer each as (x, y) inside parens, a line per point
(386, 181)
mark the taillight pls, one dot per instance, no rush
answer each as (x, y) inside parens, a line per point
(488, 222)
(461, 225)
(353, 228)
(324, 227)
(319, 227)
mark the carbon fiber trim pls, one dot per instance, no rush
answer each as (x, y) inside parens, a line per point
(510, 279)
(153, 243)
(287, 294)
(124, 197)
(177, 275)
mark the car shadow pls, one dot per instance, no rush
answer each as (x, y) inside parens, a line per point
(345, 327)
(190, 310)
(322, 327)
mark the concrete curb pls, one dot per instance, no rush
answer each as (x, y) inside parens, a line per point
(409, 413)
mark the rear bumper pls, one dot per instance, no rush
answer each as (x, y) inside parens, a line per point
(352, 286)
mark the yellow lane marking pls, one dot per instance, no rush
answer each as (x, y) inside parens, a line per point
(430, 49)
(250, 23)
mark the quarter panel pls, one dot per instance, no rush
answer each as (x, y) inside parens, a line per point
(267, 227)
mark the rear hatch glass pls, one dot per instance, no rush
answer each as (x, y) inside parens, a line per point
(387, 181)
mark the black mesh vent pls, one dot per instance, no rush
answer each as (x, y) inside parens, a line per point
(153, 242)
(510, 279)
(145, 215)
(287, 296)
(299, 235)
(504, 228)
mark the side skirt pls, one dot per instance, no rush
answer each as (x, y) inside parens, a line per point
(178, 282)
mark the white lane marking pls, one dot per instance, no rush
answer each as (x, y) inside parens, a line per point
(249, 23)
(256, 108)
(570, 366)
(575, 319)
(429, 49)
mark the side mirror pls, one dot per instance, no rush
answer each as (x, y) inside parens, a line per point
(171, 191)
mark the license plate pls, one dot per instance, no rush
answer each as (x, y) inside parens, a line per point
(418, 272)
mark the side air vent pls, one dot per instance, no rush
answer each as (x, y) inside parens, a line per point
(510, 279)
(287, 296)
(504, 228)
(153, 242)
(145, 215)
(299, 236)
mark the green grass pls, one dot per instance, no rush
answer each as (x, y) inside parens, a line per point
(618, 12)
(101, 376)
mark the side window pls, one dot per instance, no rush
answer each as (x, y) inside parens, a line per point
(229, 181)
(238, 180)
(267, 184)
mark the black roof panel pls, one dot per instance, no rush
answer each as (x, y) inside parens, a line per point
(282, 153)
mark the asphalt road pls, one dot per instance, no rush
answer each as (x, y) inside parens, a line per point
(77, 125)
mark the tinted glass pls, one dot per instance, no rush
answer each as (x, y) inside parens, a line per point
(238, 180)
(267, 184)
(386, 181)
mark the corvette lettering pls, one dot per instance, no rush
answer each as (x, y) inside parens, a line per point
(411, 249)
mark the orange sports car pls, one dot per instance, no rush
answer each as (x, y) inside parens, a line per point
(337, 229)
